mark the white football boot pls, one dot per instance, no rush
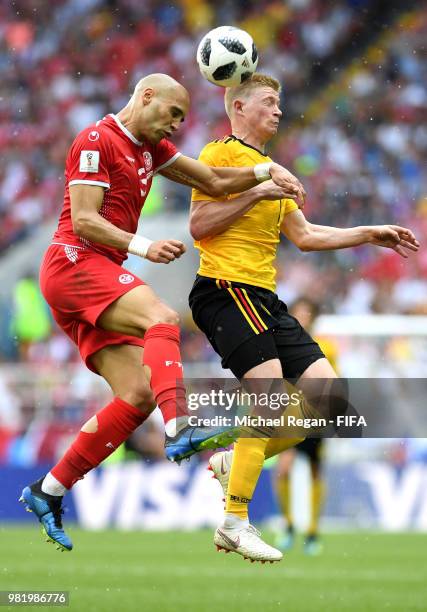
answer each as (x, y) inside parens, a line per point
(242, 538)
(220, 465)
(246, 541)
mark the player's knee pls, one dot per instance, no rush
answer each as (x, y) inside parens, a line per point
(170, 317)
(165, 315)
(140, 395)
(91, 426)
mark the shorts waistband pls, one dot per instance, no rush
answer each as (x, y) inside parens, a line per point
(72, 246)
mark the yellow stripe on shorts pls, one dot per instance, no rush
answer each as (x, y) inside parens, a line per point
(242, 310)
(254, 309)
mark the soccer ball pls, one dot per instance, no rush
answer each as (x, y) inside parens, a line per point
(227, 56)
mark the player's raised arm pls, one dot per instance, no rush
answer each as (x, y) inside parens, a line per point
(86, 202)
(310, 237)
(218, 181)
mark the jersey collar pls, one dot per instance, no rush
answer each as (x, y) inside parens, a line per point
(247, 145)
(125, 130)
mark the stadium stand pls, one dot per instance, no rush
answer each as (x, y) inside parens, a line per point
(65, 66)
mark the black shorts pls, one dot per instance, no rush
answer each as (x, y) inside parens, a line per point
(248, 325)
(312, 447)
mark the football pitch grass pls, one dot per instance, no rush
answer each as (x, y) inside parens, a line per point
(171, 571)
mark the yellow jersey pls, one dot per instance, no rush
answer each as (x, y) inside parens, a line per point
(245, 252)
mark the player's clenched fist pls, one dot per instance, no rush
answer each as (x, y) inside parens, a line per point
(289, 183)
(165, 251)
(270, 191)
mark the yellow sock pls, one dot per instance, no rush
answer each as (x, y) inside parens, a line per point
(317, 494)
(284, 497)
(277, 445)
(302, 410)
(248, 459)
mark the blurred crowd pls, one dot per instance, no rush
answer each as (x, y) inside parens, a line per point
(362, 154)
(358, 145)
(67, 64)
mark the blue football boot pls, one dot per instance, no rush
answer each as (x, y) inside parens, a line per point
(191, 440)
(312, 545)
(286, 541)
(48, 509)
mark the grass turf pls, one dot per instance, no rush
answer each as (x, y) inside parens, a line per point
(170, 571)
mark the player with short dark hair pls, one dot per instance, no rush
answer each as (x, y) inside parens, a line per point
(123, 331)
(233, 298)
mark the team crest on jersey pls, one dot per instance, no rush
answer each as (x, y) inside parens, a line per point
(93, 136)
(148, 160)
(89, 161)
(143, 181)
(125, 279)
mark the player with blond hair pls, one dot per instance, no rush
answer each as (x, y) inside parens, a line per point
(233, 298)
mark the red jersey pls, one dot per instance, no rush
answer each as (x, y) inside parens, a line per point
(107, 154)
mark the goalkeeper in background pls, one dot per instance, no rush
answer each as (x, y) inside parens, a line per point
(306, 311)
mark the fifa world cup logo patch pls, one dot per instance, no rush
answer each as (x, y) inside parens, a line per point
(89, 161)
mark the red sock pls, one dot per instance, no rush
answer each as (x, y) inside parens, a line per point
(115, 424)
(163, 357)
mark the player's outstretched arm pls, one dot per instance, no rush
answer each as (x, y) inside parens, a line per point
(86, 202)
(309, 237)
(212, 217)
(400, 239)
(218, 182)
